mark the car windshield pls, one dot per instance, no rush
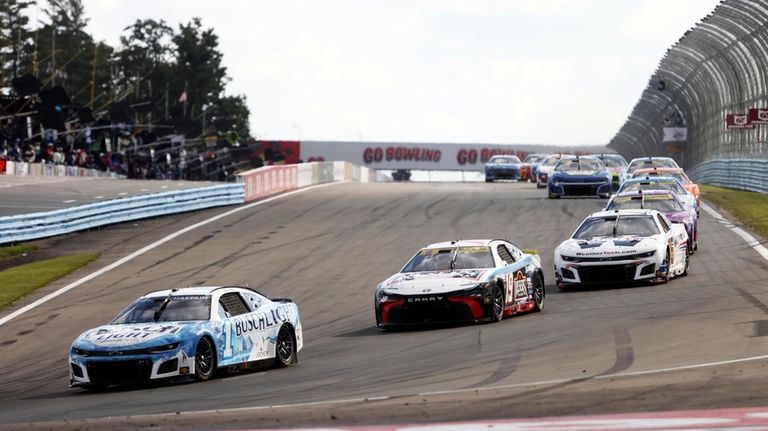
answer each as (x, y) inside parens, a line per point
(439, 259)
(578, 165)
(178, 308)
(639, 225)
(652, 163)
(664, 203)
(503, 160)
(670, 185)
(532, 158)
(613, 161)
(550, 161)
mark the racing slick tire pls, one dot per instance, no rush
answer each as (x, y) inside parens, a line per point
(539, 185)
(665, 262)
(553, 196)
(205, 359)
(687, 263)
(497, 307)
(285, 347)
(487, 180)
(538, 293)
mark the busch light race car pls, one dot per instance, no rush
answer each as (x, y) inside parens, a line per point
(470, 280)
(622, 246)
(579, 176)
(502, 168)
(187, 334)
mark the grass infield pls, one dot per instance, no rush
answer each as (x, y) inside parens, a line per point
(15, 250)
(750, 208)
(21, 280)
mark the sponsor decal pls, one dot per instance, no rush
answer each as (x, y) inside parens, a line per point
(758, 116)
(521, 285)
(738, 121)
(606, 253)
(246, 323)
(130, 334)
(378, 154)
(425, 299)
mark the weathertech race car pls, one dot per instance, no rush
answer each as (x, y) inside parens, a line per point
(622, 246)
(187, 334)
(579, 176)
(502, 168)
(470, 280)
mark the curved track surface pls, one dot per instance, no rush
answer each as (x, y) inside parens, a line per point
(328, 248)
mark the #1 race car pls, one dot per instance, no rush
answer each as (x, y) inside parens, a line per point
(187, 334)
(622, 246)
(502, 168)
(579, 176)
(470, 280)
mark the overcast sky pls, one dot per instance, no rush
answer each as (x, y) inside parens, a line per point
(561, 72)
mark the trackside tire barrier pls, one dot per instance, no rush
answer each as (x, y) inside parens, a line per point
(46, 224)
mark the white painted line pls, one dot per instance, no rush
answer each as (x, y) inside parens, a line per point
(749, 239)
(144, 190)
(69, 201)
(155, 244)
(122, 194)
(164, 187)
(98, 197)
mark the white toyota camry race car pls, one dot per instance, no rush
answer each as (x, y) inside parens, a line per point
(622, 246)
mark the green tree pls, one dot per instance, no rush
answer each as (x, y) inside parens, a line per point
(15, 39)
(235, 109)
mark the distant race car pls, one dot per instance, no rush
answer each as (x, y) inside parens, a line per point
(616, 165)
(187, 333)
(470, 280)
(502, 168)
(526, 168)
(579, 176)
(663, 201)
(676, 173)
(623, 246)
(648, 162)
(545, 168)
(661, 183)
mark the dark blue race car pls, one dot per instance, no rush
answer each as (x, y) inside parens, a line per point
(579, 176)
(502, 168)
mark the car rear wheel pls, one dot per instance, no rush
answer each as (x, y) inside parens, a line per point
(285, 348)
(666, 264)
(538, 293)
(498, 303)
(687, 262)
(204, 359)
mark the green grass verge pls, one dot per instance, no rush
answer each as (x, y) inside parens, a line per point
(15, 250)
(750, 208)
(20, 280)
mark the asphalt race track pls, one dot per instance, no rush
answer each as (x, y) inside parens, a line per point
(588, 352)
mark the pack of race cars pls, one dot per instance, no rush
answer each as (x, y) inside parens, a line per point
(646, 233)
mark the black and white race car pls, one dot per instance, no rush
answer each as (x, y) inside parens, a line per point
(471, 280)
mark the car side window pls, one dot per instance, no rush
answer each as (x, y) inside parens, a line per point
(254, 300)
(663, 223)
(233, 304)
(504, 254)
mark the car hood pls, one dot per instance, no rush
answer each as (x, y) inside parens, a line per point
(420, 283)
(502, 166)
(137, 335)
(608, 246)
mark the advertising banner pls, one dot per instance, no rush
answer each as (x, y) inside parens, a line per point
(675, 134)
(758, 116)
(738, 121)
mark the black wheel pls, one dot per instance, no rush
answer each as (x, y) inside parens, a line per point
(498, 303)
(95, 388)
(205, 359)
(538, 293)
(553, 196)
(666, 263)
(285, 348)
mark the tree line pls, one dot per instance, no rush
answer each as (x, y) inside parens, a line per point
(159, 74)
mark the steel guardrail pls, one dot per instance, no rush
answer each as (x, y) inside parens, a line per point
(27, 227)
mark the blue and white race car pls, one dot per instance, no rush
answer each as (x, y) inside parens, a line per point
(187, 334)
(502, 168)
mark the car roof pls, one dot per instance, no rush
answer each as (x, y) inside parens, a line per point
(645, 192)
(462, 243)
(194, 290)
(635, 212)
(647, 179)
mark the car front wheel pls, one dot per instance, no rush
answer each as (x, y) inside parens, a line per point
(204, 359)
